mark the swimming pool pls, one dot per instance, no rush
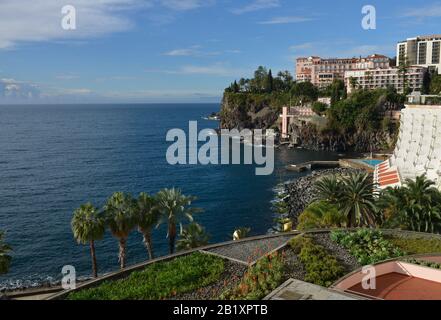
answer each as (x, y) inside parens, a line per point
(369, 162)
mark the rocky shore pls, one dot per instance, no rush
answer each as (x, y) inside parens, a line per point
(300, 193)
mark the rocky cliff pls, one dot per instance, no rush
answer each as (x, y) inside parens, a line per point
(241, 111)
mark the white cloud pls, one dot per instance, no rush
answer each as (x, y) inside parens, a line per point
(13, 90)
(430, 11)
(183, 5)
(302, 46)
(286, 20)
(66, 77)
(217, 69)
(196, 51)
(338, 49)
(40, 20)
(192, 51)
(257, 5)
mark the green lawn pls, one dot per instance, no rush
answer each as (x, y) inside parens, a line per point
(159, 280)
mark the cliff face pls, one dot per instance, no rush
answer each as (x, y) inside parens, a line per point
(309, 137)
(240, 111)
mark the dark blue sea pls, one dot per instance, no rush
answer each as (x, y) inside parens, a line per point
(54, 158)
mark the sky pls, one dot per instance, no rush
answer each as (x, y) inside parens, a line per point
(150, 51)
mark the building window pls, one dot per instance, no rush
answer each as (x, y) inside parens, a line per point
(436, 52)
(422, 53)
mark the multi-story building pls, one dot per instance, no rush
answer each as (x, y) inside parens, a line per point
(422, 51)
(321, 72)
(382, 78)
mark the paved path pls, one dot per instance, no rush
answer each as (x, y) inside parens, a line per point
(250, 251)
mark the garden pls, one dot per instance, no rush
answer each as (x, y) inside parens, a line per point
(320, 258)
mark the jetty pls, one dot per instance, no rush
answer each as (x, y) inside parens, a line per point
(311, 165)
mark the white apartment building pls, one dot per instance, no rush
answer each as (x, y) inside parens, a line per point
(382, 78)
(422, 51)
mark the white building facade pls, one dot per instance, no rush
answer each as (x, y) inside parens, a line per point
(382, 78)
(424, 51)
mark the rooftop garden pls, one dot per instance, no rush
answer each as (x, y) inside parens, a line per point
(159, 280)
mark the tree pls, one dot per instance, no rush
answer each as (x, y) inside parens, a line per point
(357, 200)
(319, 107)
(435, 86)
(174, 207)
(147, 217)
(353, 83)
(403, 70)
(328, 189)
(427, 79)
(5, 258)
(88, 226)
(337, 90)
(304, 91)
(319, 215)
(120, 217)
(415, 206)
(270, 82)
(192, 236)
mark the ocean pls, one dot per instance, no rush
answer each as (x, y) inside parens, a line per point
(54, 158)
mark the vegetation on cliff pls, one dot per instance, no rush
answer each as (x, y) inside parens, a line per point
(355, 122)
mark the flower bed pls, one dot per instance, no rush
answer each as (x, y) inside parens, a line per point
(367, 245)
(260, 279)
(321, 267)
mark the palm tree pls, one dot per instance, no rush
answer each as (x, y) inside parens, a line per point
(147, 217)
(357, 200)
(87, 227)
(415, 206)
(191, 237)
(120, 217)
(174, 207)
(328, 189)
(5, 258)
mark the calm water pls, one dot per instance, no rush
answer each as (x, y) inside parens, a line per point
(54, 158)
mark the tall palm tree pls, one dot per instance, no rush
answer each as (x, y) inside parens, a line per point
(5, 258)
(120, 217)
(174, 207)
(191, 237)
(328, 189)
(147, 217)
(415, 206)
(87, 227)
(357, 200)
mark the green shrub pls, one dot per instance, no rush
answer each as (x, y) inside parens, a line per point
(159, 280)
(367, 245)
(298, 242)
(321, 268)
(416, 245)
(424, 263)
(260, 279)
(320, 215)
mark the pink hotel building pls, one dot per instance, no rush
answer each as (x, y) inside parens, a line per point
(321, 72)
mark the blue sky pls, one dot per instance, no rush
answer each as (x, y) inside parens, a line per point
(182, 50)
